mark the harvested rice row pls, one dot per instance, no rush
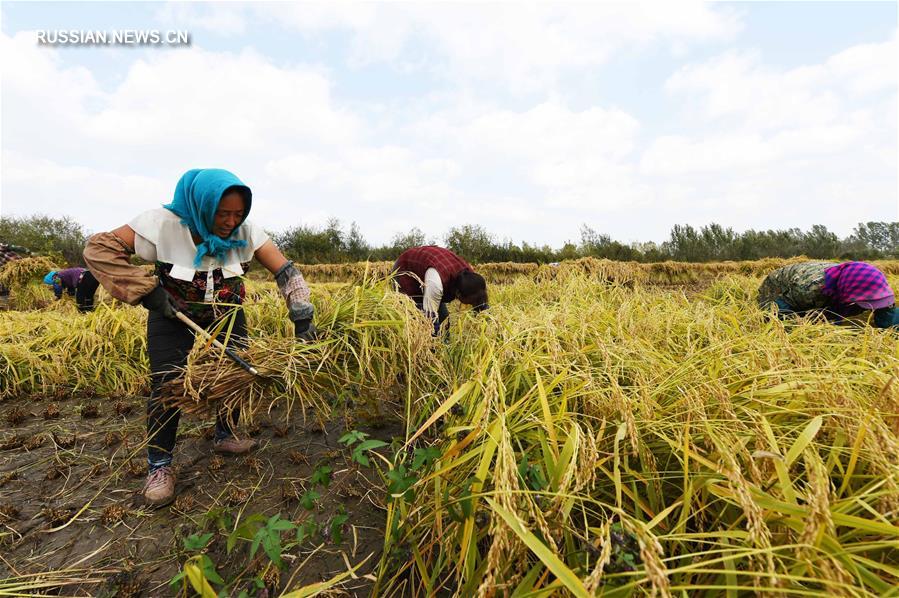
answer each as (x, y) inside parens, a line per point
(602, 269)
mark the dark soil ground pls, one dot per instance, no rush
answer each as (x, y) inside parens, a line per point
(70, 504)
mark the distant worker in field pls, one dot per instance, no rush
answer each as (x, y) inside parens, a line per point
(201, 244)
(854, 291)
(433, 276)
(77, 282)
(9, 253)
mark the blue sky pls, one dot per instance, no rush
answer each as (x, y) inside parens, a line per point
(530, 119)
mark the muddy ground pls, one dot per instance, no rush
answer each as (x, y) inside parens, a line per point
(70, 502)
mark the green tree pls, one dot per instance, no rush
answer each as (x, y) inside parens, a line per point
(308, 245)
(717, 242)
(355, 245)
(876, 237)
(327, 245)
(685, 244)
(471, 241)
(602, 246)
(820, 243)
(43, 234)
(413, 238)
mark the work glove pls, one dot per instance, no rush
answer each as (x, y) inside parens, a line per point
(159, 300)
(296, 292)
(305, 330)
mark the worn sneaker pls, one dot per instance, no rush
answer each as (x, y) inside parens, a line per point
(160, 487)
(234, 446)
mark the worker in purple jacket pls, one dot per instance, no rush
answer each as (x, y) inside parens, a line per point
(78, 282)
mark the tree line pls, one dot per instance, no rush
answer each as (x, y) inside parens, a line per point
(336, 243)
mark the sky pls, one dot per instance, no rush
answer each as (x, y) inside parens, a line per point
(529, 119)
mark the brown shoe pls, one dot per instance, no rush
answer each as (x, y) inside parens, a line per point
(160, 487)
(234, 446)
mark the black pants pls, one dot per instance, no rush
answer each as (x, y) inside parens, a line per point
(442, 314)
(168, 344)
(84, 292)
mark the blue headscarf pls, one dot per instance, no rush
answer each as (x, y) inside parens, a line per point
(197, 197)
(48, 279)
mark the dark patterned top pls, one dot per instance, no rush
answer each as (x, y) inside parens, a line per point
(191, 295)
(8, 253)
(418, 259)
(799, 284)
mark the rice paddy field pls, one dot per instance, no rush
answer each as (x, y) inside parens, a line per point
(605, 429)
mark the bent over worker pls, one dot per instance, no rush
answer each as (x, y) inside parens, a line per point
(433, 276)
(201, 243)
(851, 290)
(77, 282)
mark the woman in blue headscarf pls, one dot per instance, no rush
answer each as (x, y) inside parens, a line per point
(201, 244)
(77, 282)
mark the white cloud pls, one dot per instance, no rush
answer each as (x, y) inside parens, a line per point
(866, 68)
(38, 72)
(92, 196)
(739, 86)
(755, 145)
(171, 111)
(175, 100)
(745, 114)
(209, 98)
(566, 157)
(43, 100)
(527, 46)
(386, 174)
(552, 132)
(676, 155)
(227, 18)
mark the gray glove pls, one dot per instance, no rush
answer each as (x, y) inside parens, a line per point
(295, 292)
(159, 300)
(300, 310)
(305, 330)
